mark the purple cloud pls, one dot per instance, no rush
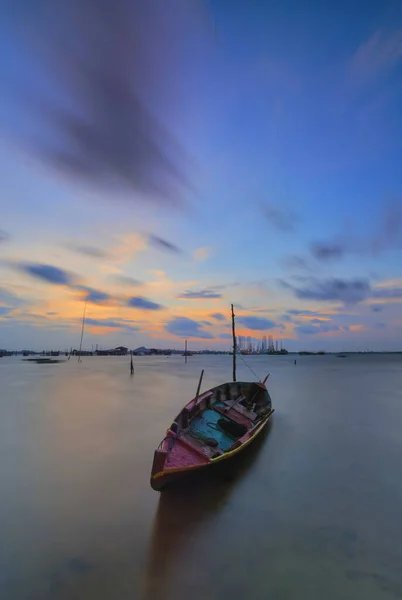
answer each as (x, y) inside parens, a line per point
(4, 236)
(218, 316)
(257, 323)
(91, 251)
(47, 273)
(326, 251)
(346, 291)
(143, 303)
(225, 336)
(111, 324)
(163, 244)
(280, 218)
(125, 281)
(317, 329)
(184, 327)
(117, 72)
(94, 296)
(206, 294)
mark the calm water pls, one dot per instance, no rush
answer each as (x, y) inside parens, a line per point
(312, 511)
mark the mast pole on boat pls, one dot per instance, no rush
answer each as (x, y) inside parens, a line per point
(185, 351)
(234, 344)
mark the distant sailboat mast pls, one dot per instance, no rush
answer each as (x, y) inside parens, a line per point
(82, 330)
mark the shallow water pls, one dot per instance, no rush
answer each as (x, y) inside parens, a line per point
(312, 510)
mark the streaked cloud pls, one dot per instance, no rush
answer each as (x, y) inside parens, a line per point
(326, 251)
(257, 323)
(162, 244)
(318, 329)
(281, 218)
(218, 316)
(386, 235)
(125, 281)
(225, 336)
(346, 291)
(206, 294)
(94, 296)
(87, 250)
(350, 291)
(293, 261)
(10, 299)
(185, 327)
(111, 324)
(379, 53)
(109, 133)
(4, 236)
(143, 303)
(47, 273)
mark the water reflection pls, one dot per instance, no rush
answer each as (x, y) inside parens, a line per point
(186, 512)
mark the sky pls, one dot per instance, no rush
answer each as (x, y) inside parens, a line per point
(162, 160)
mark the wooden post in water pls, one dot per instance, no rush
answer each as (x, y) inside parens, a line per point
(234, 344)
(131, 364)
(185, 351)
(199, 385)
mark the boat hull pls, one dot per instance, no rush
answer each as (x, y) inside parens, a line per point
(162, 477)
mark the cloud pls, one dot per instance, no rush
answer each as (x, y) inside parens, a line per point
(317, 329)
(377, 308)
(10, 299)
(4, 236)
(380, 53)
(201, 254)
(122, 60)
(218, 316)
(387, 293)
(311, 313)
(387, 236)
(91, 251)
(225, 336)
(47, 273)
(295, 262)
(143, 303)
(125, 281)
(256, 323)
(280, 218)
(163, 244)
(184, 327)
(205, 294)
(380, 325)
(4, 310)
(347, 291)
(112, 324)
(350, 291)
(94, 296)
(326, 251)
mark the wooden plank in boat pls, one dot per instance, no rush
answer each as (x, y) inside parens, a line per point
(242, 410)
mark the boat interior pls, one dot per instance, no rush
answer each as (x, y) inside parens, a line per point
(215, 423)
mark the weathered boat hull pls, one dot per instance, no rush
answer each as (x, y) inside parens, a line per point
(233, 426)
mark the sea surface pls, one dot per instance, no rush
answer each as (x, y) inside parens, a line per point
(311, 510)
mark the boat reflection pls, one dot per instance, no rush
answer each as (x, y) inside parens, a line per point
(185, 508)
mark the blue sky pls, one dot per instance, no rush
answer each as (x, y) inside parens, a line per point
(250, 154)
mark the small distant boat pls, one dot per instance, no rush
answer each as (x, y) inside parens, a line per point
(341, 355)
(43, 361)
(213, 427)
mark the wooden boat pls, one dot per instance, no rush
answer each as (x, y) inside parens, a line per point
(213, 427)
